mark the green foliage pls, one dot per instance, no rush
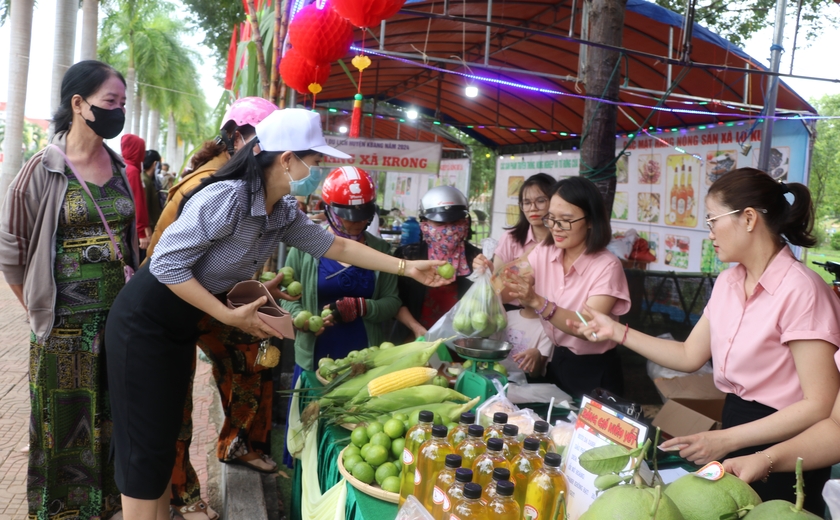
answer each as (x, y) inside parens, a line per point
(835, 241)
(217, 19)
(737, 21)
(34, 138)
(824, 179)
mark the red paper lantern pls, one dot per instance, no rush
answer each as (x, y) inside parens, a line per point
(321, 35)
(299, 73)
(367, 13)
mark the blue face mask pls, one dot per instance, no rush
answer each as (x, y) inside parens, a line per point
(307, 186)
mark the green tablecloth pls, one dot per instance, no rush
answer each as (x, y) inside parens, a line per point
(331, 440)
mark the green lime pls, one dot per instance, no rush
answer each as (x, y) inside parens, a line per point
(438, 419)
(414, 418)
(352, 460)
(373, 428)
(401, 416)
(364, 450)
(384, 471)
(376, 455)
(350, 450)
(381, 439)
(446, 271)
(359, 437)
(391, 484)
(363, 472)
(450, 425)
(406, 425)
(394, 428)
(397, 446)
(398, 463)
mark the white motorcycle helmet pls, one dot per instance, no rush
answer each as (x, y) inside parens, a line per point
(444, 204)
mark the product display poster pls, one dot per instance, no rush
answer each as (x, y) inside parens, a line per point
(403, 191)
(662, 181)
(597, 425)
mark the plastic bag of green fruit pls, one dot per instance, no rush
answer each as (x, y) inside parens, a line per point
(480, 313)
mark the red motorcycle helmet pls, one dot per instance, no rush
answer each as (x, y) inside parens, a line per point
(351, 194)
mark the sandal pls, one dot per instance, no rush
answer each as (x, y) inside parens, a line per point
(253, 464)
(198, 508)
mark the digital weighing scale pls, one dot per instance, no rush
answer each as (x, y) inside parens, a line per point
(475, 381)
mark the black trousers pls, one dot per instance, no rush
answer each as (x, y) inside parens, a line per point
(577, 375)
(780, 486)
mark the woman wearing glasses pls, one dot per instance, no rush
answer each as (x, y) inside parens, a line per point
(572, 268)
(771, 329)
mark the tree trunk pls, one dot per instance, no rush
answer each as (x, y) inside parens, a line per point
(171, 144)
(90, 28)
(20, 35)
(154, 130)
(257, 37)
(129, 98)
(64, 46)
(144, 121)
(597, 150)
(138, 114)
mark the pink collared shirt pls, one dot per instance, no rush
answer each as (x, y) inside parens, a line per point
(509, 249)
(598, 274)
(749, 339)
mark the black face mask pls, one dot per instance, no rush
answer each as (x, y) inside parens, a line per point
(108, 123)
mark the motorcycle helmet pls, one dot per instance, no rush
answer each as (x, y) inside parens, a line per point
(444, 204)
(244, 111)
(350, 193)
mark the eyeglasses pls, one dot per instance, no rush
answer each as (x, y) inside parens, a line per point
(565, 225)
(710, 221)
(539, 203)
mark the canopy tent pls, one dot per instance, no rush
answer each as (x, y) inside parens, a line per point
(524, 60)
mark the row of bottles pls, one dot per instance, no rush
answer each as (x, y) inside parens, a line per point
(519, 480)
(681, 210)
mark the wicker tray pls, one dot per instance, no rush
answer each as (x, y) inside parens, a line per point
(367, 489)
(321, 379)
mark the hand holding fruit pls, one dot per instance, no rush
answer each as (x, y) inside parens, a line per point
(347, 309)
(480, 263)
(306, 322)
(748, 468)
(285, 277)
(701, 448)
(522, 288)
(425, 272)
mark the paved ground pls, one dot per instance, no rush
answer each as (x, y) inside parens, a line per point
(14, 410)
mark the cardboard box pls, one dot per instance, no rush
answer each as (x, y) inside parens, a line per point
(694, 405)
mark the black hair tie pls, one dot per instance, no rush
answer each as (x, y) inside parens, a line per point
(785, 188)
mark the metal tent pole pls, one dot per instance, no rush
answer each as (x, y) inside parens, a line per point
(772, 87)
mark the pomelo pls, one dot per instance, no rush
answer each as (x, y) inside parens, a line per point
(632, 503)
(782, 509)
(700, 499)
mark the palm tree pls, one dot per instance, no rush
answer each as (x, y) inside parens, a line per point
(90, 28)
(64, 46)
(21, 31)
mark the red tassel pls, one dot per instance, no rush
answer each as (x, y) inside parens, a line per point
(356, 121)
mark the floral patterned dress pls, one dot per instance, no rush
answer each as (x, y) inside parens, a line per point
(70, 476)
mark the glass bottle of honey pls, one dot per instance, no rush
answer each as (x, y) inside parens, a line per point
(503, 506)
(545, 496)
(445, 479)
(470, 448)
(459, 432)
(495, 429)
(546, 443)
(512, 446)
(430, 461)
(470, 507)
(523, 466)
(455, 492)
(417, 435)
(491, 459)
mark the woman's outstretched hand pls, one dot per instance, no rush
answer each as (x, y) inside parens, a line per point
(425, 272)
(600, 327)
(481, 263)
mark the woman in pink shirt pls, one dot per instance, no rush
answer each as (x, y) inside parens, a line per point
(572, 268)
(534, 196)
(770, 327)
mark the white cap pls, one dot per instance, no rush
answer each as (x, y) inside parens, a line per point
(294, 130)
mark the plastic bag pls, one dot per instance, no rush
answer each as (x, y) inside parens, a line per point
(412, 509)
(561, 433)
(622, 245)
(497, 403)
(480, 312)
(520, 267)
(831, 495)
(443, 327)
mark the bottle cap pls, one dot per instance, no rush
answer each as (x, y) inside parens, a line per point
(467, 418)
(453, 461)
(500, 417)
(426, 416)
(495, 444)
(463, 475)
(541, 427)
(501, 474)
(510, 430)
(504, 488)
(531, 444)
(439, 431)
(553, 459)
(475, 430)
(472, 490)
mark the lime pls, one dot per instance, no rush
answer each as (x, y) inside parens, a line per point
(384, 471)
(381, 439)
(401, 416)
(438, 419)
(376, 455)
(350, 450)
(363, 472)
(391, 484)
(374, 428)
(407, 425)
(394, 428)
(398, 463)
(352, 460)
(397, 446)
(446, 271)
(414, 418)
(294, 288)
(365, 450)
(385, 345)
(359, 437)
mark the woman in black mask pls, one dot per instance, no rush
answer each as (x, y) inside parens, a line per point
(67, 233)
